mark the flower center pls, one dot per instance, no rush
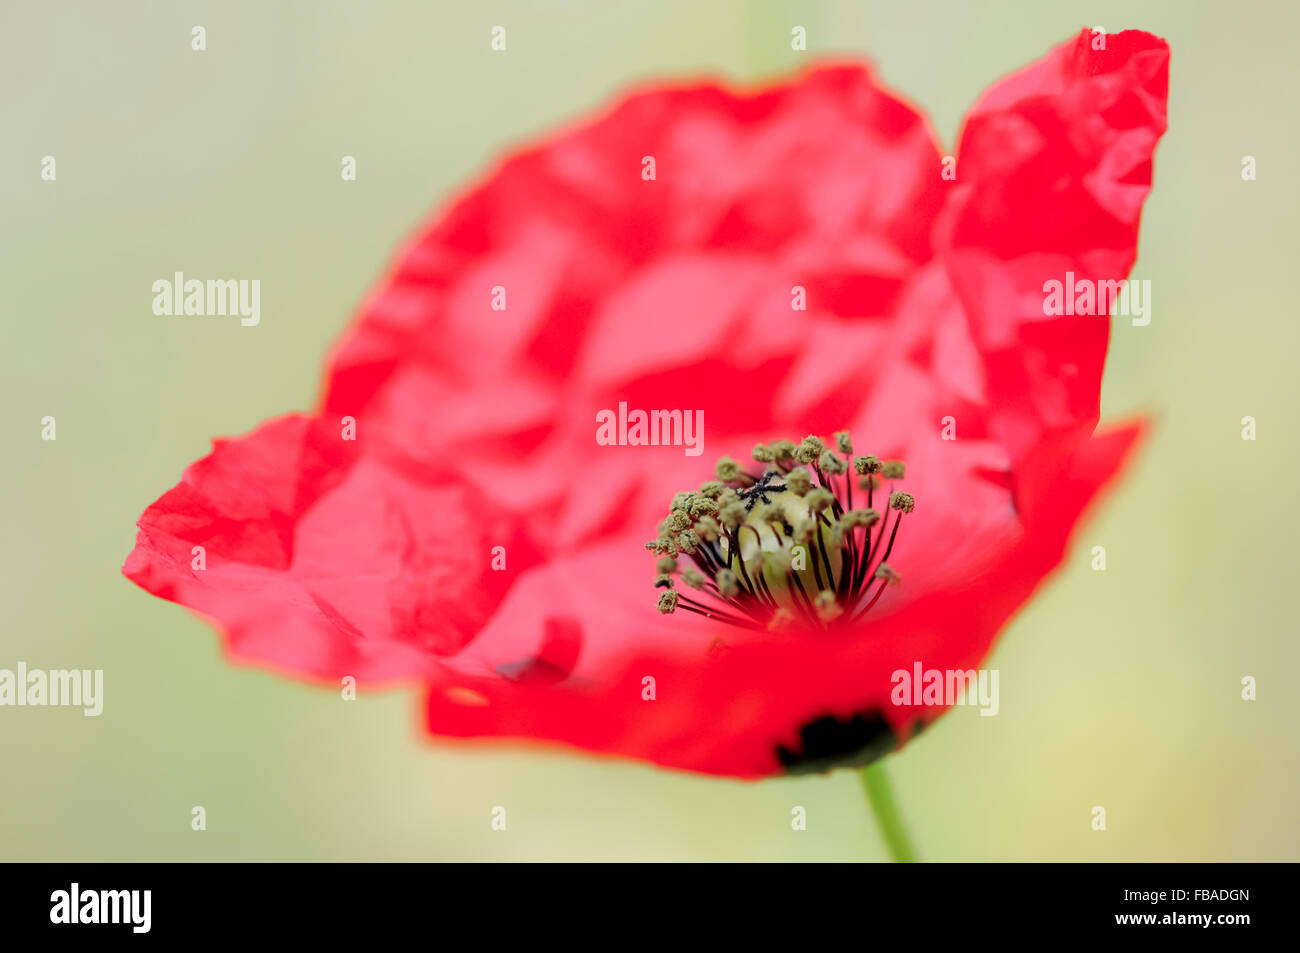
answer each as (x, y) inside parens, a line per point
(784, 547)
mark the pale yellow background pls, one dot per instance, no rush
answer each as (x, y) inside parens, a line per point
(1118, 689)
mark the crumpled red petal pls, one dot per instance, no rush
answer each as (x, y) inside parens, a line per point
(320, 562)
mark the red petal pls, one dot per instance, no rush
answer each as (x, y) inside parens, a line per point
(320, 561)
(1053, 167)
(618, 287)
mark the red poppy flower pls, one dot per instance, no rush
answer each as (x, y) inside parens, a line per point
(476, 537)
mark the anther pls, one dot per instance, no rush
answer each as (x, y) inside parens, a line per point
(903, 502)
(693, 579)
(828, 609)
(831, 464)
(681, 501)
(712, 490)
(860, 518)
(819, 499)
(700, 506)
(798, 481)
(667, 602)
(782, 450)
(663, 546)
(727, 582)
(732, 515)
(809, 450)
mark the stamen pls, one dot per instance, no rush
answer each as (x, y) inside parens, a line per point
(819, 499)
(798, 481)
(783, 452)
(728, 470)
(727, 583)
(826, 560)
(829, 463)
(702, 506)
(809, 450)
(732, 515)
(713, 490)
(828, 608)
(796, 585)
(782, 549)
(693, 579)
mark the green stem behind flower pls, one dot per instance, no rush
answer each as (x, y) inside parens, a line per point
(883, 804)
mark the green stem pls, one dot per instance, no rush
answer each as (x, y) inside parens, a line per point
(883, 804)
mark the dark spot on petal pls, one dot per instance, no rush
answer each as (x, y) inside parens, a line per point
(832, 742)
(554, 660)
(532, 670)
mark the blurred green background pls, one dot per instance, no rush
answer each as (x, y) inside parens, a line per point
(1119, 689)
